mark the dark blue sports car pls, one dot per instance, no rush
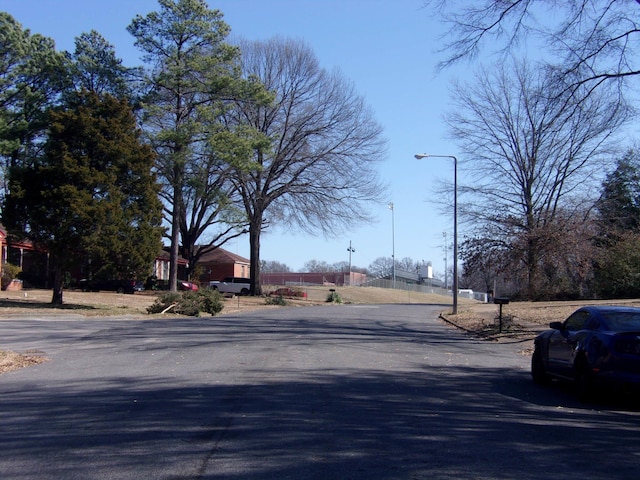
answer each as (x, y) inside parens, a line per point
(595, 347)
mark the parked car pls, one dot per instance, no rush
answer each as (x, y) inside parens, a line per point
(597, 347)
(288, 292)
(120, 286)
(184, 285)
(236, 285)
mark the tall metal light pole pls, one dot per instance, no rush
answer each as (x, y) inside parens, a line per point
(420, 156)
(446, 254)
(393, 246)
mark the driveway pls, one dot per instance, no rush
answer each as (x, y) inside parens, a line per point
(330, 392)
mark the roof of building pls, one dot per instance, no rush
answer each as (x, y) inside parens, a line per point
(220, 255)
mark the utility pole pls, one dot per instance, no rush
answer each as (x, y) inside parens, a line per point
(393, 245)
(351, 250)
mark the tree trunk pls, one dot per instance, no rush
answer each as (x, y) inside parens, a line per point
(57, 286)
(533, 290)
(175, 240)
(255, 229)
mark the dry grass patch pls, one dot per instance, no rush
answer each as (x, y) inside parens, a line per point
(88, 304)
(521, 321)
(10, 361)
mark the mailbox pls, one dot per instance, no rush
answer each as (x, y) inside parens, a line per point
(500, 301)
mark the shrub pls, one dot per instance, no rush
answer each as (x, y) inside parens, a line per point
(334, 297)
(189, 303)
(9, 272)
(279, 300)
(211, 300)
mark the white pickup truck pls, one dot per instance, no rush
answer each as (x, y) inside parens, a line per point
(236, 285)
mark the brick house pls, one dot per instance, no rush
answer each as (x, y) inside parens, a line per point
(161, 266)
(34, 263)
(220, 263)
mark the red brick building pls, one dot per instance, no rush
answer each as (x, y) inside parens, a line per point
(220, 263)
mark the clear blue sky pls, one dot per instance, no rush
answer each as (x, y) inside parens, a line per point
(386, 47)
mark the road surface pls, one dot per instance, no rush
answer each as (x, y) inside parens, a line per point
(328, 392)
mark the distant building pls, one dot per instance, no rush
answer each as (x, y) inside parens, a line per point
(34, 263)
(162, 263)
(220, 263)
(423, 276)
(314, 278)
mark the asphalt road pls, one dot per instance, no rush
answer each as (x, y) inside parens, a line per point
(330, 392)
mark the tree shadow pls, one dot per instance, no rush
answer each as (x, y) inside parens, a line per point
(351, 425)
(311, 421)
(36, 305)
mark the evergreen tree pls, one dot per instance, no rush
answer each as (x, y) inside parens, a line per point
(92, 193)
(619, 204)
(617, 265)
(192, 75)
(96, 68)
(32, 75)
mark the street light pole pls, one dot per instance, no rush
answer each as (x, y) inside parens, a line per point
(446, 254)
(393, 246)
(420, 156)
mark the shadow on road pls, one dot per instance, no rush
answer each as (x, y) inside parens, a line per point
(419, 421)
(345, 425)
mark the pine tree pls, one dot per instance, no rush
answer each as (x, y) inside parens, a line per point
(193, 74)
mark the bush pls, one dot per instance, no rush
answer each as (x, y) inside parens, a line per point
(189, 303)
(334, 297)
(9, 273)
(279, 300)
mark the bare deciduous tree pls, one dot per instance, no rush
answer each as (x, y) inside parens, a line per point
(381, 267)
(594, 41)
(273, 266)
(531, 156)
(319, 171)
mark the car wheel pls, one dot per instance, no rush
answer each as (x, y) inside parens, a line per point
(538, 372)
(120, 290)
(244, 292)
(584, 381)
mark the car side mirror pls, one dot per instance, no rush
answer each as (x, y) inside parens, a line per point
(556, 325)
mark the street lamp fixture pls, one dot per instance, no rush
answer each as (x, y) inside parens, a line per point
(420, 156)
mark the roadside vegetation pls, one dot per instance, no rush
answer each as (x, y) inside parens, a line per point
(199, 144)
(276, 300)
(190, 303)
(552, 205)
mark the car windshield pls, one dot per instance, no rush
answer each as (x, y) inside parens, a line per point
(623, 321)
